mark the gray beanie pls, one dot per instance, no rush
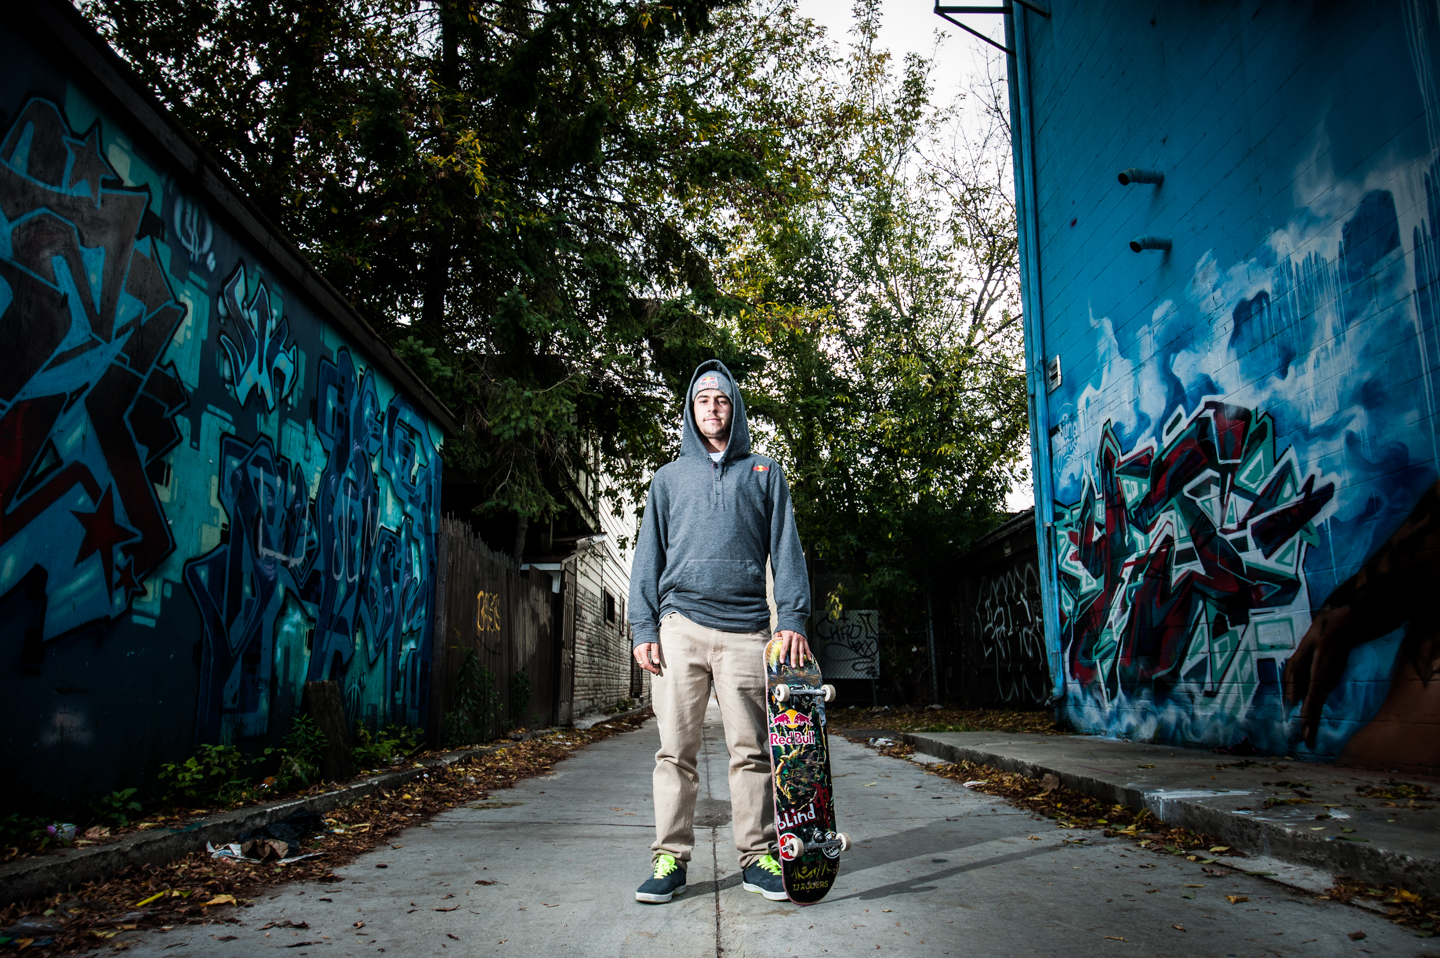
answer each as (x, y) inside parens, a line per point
(713, 379)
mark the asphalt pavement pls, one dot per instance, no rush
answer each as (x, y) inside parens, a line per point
(550, 868)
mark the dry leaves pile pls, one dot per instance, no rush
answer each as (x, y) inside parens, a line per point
(1072, 809)
(197, 888)
(1401, 906)
(916, 719)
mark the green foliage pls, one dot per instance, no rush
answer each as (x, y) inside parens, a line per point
(475, 709)
(116, 808)
(554, 211)
(373, 751)
(887, 314)
(298, 759)
(537, 192)
(24, 832)
(214, 775)
(519, 695)
(621, 705)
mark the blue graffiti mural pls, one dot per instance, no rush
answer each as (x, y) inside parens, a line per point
(314, 557)
(87, 406)
(1182, 557)
(1190, 564)
(358, 586)
(260, 361)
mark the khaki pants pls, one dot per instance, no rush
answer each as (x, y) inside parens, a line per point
(693, 657)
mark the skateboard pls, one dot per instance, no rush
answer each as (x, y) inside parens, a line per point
(809, 847)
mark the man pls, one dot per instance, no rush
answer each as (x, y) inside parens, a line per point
(700, 618)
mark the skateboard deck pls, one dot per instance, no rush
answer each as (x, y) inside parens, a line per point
(800, 778)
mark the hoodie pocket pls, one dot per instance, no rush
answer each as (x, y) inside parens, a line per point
(715, 579)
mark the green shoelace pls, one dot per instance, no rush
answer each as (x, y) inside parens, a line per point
(769, 863)
(664, 865)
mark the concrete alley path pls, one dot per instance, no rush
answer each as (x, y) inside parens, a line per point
(938, 870)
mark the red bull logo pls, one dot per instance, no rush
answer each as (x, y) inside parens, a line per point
(799, 729)
(791, 719)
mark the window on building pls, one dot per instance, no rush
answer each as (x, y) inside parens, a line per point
(609, 606)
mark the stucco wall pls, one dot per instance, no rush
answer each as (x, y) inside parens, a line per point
(1246, 422)
(209, 493)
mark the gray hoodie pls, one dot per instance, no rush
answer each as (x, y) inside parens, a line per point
(708, 529)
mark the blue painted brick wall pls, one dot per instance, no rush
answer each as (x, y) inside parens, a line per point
(1243, 448)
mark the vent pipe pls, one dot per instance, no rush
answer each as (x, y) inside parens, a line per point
(1150, 242)
(1137, 175)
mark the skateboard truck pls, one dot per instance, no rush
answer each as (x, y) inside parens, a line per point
(792, 846)
(783, 692)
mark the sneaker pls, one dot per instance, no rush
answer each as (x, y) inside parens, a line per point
(668, 881)
(763, 877)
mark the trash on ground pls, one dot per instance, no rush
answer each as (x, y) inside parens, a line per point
(62, 832)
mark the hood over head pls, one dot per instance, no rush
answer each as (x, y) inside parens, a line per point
(692, 443)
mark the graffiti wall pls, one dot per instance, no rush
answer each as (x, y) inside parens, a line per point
(989, 627)
(208, 493)
(1243, 442)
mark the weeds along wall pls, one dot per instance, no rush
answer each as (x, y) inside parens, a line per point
(1243, 436)
(215, 482)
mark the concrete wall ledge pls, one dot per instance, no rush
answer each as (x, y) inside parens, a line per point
(1224, 796)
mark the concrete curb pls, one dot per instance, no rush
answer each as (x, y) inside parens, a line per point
(37, 877)
(1369, 862)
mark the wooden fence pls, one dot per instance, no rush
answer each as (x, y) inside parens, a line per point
(510, 620)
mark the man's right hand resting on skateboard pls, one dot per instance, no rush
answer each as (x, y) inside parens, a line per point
(700, 618)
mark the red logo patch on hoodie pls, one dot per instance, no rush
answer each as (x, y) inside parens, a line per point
(760, 468)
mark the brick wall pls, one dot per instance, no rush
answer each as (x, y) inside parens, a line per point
(604, 667)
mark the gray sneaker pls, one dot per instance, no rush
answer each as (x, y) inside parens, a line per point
(763, 878)
(667, 882)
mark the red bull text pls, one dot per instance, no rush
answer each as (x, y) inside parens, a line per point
(792, 728)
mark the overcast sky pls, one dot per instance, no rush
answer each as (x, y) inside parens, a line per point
(908, 26)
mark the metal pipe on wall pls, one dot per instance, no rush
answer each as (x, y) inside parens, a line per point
(1028, 224)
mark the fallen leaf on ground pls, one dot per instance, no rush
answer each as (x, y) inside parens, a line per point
(221, 900)
(451, 908)
(1178, 927)
(1356, 935)
(1237, 899)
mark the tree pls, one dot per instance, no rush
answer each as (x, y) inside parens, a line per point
(555, 210)
(527, 199)
(888, 315)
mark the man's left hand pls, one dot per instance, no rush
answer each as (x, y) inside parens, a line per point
(796, 650)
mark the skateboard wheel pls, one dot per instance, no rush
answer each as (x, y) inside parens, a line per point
(829, 691)
(791, 847)
(782, 693)
(844, 841)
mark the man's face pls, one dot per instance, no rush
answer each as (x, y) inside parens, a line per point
(712, 414)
